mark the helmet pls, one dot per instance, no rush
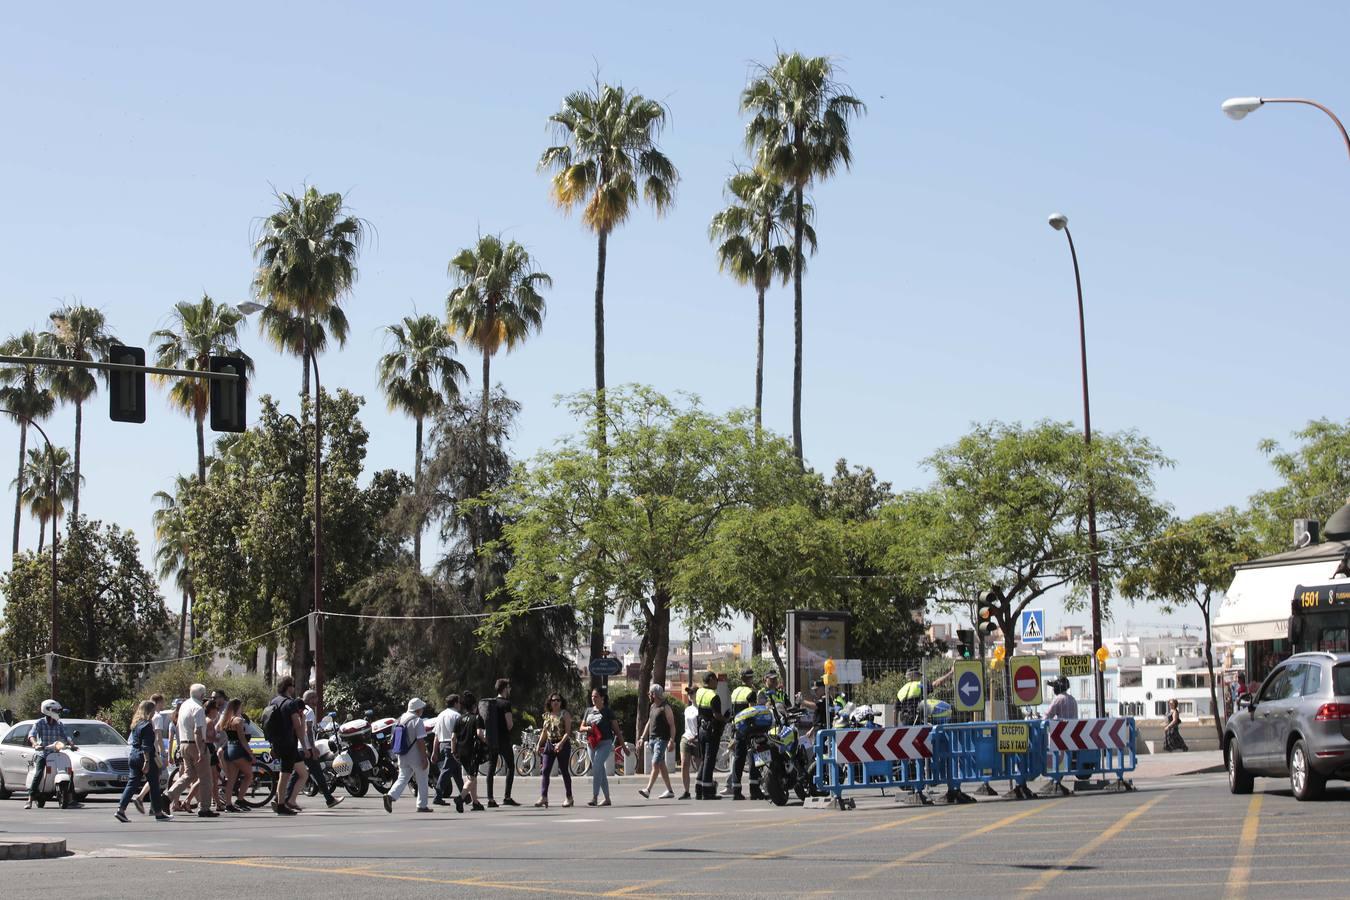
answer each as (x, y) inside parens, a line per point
(51, 708)
(1060, 685)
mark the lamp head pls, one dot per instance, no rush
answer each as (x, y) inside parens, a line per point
(1059, 221)
(248, 307)
(1238, 107)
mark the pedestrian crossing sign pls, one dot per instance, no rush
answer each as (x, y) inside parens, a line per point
(1033, 626)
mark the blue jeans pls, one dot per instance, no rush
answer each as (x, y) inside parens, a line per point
(599, 758)
(150, 775)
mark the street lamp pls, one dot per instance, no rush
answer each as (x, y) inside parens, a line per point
(248, 308)
(1239, 107)
(51, 487)
(1060, 222)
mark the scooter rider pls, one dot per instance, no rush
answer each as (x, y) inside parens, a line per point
(47, 730)
(741, 699)
(711, 718)
(1064, 706)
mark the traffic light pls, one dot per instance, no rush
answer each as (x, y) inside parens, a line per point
(987, 614)
(228, 412)
(126, 390)
(967, 638)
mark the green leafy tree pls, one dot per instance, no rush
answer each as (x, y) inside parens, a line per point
(306, 256)
(1190, 562)
(584, 530)
(1315, 478)
(26, 394)
(799, 133)
(418, 375)
(195, 333)
(749, 234)
(171, 547)
(109, 609)
(78, 332)
(44, 496)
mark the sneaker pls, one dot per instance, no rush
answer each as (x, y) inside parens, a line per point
(282, 810)
(439, 802)
(477, 807)
(121, 816)
(509, 802)
(163, 817)
(644, 794)
(425, 809)
(492, 804)
(335, 801)
(388, 804)
(459, 804)
(669, 795)
(593, 802)
(207, 814)
(605, 802)
(684, 796)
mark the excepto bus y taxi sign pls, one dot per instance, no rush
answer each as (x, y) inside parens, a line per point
(1014, 737)
(1075, 666)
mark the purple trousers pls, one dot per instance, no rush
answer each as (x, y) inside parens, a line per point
(564, 760)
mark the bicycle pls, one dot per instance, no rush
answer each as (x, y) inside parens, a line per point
(527, 758)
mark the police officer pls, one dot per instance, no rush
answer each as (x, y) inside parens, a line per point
(711, 718)
(741, 699)
(909, 699)
(772, 696)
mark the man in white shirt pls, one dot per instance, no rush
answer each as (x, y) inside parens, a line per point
(413, 761)
(196, 774)
(443, 729)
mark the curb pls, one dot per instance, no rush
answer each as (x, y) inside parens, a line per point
(32, 848)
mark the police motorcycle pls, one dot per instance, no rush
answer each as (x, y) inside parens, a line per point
(356, 763)
(327, 747)
(790, 763)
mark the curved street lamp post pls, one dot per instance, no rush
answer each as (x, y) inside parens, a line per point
(1240, 107)
(51, 479)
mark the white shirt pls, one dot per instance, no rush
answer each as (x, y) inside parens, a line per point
(445, 725)
(191, 721)
(691, 722)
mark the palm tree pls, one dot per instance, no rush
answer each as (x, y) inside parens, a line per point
(606, 146)
(290, 333)
(24, 392)
(196, 332)
(79, 333)
(37, 492)
(171, 546)
(497, 301)
(306, 255)
(750, 230)
(798, 132)
(418, 375)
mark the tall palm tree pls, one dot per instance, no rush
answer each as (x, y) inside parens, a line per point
(496, 302)
(196, 332)
(750, 230)
(37, 493)
(306, 255)
(171, 546)
(25, 393)
(798, 132)
(81, 333)
(290, 333)
(418, 376)
(606, 147)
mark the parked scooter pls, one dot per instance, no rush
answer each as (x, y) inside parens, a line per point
(327, 746)
(58, 776)
(386, 766)
(790, 764)
(356, 763)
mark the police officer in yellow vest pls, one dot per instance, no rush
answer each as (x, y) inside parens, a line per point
(741, 699)
(711, 718)
(909, 699)
(772, 695)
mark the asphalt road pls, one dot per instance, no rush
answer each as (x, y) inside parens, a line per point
(1176, 837)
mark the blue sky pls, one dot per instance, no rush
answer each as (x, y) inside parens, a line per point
(142, 144)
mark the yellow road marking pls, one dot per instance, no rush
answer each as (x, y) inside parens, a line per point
(1121, 824)
(1241, 873)
(943, 845)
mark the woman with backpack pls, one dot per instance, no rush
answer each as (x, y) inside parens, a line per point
(410, 746)
(467, 746)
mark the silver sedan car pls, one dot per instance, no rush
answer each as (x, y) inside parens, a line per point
(102, 759)
(1297, 726)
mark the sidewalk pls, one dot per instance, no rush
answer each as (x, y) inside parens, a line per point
(1165, 765)
(17, 847)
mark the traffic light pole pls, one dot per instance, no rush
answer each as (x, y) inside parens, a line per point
(51, 487)
(318, 529)
(115, 367)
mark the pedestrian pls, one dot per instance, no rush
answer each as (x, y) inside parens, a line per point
(195, 775)
(442, 741)
(1064, 706)
(162, 722)
(1240, 688)
(603, 732)
(658, 731)
(772, 695)
(555, 746)
(315, 767)
(1172, 740)
(283, 724)
(144, 764)
(47, 730)
(741, 697)
(711, 720)
(218, 784)
(238, 757)
(212, 712)
(498, 722)
(689, 757)
(467, 746)
(413, 763)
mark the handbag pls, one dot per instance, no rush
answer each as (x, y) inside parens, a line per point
(593, 736)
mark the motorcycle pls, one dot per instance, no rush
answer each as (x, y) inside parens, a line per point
(356, 764)
(386, 766)
(58, 776)
(787, 765)
(327, 747)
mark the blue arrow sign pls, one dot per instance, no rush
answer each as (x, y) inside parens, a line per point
(1033, 626)
(969, 688)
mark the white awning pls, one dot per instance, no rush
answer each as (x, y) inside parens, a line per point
(1260, 600)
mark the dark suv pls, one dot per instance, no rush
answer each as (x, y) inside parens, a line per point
(1298, 725)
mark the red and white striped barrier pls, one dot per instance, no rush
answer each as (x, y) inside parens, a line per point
(865, 745)
(1088, 734)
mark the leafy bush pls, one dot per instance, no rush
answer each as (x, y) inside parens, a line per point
(175, 680)
(25, 701)
(119, 713)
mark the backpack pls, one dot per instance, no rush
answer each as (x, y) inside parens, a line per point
(269, 720)
(401, 743)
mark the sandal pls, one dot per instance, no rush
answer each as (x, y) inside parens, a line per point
(541, 803)
(567, 802)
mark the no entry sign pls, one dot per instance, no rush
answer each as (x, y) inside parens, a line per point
(1026, 679)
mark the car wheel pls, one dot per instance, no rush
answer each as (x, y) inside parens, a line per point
(1240, 781)
(1306, 783)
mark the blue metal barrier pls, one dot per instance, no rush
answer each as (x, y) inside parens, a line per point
(1084, 748)
(836, 778)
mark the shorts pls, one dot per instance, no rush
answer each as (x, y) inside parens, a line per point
(288, 757)
(689, 748)
(214, 756)
(235, 753)
(658, 746)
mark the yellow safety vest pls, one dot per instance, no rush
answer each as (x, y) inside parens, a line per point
(704, 699)
(742, 695)
(910, 690)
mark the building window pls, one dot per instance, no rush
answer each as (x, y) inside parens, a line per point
(1131, 679)
(1186, 707)
(1160, 707)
